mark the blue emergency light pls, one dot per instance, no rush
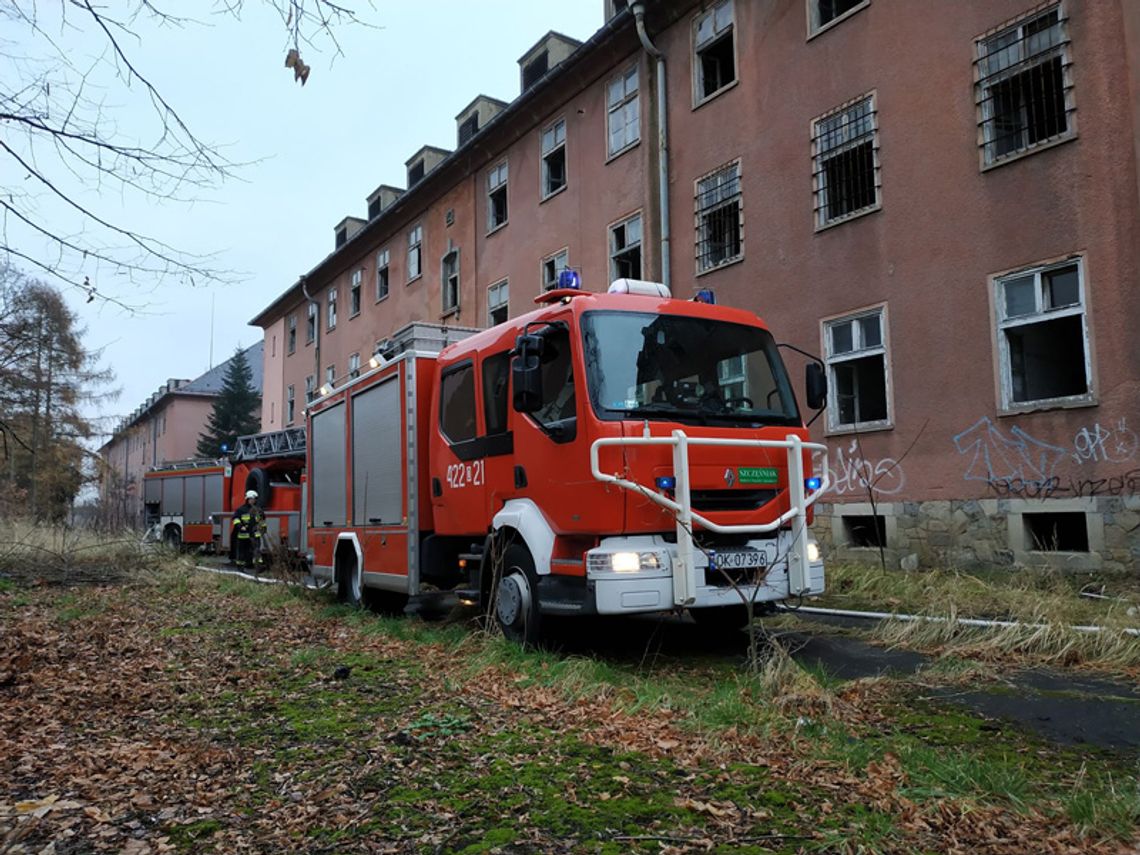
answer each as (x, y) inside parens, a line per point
(225, 447)
(568, 278)
(666, 482)
(705, 295)
(813, 483)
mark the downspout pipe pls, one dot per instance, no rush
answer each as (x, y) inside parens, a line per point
(638, 8)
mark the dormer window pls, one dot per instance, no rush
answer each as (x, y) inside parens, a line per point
(468, 128)
(416, 172)
(374, 208)
(341, 237)
(534, 70)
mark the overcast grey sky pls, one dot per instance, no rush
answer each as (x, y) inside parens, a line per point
(314, 153)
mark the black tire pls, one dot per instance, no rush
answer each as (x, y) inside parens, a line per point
(172, 537)
(349, 584)
(516, 598)
(258, 479)
(726, 619)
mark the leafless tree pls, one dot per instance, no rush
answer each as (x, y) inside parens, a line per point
(69, 155)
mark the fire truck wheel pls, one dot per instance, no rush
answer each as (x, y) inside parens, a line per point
(516, 603)
(727, 619)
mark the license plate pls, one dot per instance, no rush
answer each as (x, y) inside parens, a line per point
(742, 559)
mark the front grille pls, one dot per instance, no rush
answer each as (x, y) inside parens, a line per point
(731, 500)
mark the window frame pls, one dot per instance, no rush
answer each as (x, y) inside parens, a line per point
(331, 309)
(310, 388)
(505, 285)
(383, 265)
(445, 309)
(1006, 404)
(814, 30)
(354, 292)
(611, 229)
(819, 204)
(291, 334)
(699, 242)
(1068, 86)
(290, 403)
(700, 100)
(504, 185)
(330, 376)
(464, 365)
(543, 288)
(353, 365)
(312, 321)
(543, 195)
(611, 109)
(830, 359)
(417, 232)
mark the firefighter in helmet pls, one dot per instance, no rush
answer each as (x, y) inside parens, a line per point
(248, 527)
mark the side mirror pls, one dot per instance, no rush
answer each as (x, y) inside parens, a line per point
(526, 374)
(815, 381)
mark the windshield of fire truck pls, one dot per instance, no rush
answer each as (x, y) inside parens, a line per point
(686, 369)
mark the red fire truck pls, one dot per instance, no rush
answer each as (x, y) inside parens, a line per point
(191, 502)
(613, 453)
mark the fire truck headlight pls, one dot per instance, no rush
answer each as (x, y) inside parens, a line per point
(813, 553)
(622, 562)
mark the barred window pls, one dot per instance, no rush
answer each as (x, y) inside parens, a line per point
(1024, 85)
(845, 156)
(720, 218)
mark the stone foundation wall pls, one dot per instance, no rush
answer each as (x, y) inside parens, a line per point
(981, 533)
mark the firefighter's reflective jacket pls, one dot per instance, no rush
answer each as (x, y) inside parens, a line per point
(249, 522)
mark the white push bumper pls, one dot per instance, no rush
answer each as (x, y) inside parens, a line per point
(635, 574)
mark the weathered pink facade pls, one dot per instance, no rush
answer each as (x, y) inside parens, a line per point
(965, 465)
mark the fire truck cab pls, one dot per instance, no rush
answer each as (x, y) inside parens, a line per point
(612, 453)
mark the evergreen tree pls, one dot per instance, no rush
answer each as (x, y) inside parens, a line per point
(236, 411)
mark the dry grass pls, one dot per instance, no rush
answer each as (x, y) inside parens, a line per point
(57, 554)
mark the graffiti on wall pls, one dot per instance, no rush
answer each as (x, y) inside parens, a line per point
(851, 472)
(1013, 463)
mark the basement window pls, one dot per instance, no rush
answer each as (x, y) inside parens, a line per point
(869, 530)
(714, 62)
(1043, 335)
(845, 155)
(1056, 532)
(554, 158)
(1024, 85)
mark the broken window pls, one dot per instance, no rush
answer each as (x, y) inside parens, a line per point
(1024, 86)
(1056, 532)
(468, 127)
(291, 337)
(714, 64)
(311, 323)
(354, 366)
(415, 251)
(823, 12)
(381, 274)
(498, 297)
(623, 117)
(416, 172)
(450, 279)
(497, 197)
(846, 164)
(857, 369)
(330, 378)
(310, 388)
(534, 70)
(552, 267)
(354, 293)
(554, 158)
(868, 530)
(1042, 334)
(332, 309)
(625, 249)
(290, 405)
(720, 224)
